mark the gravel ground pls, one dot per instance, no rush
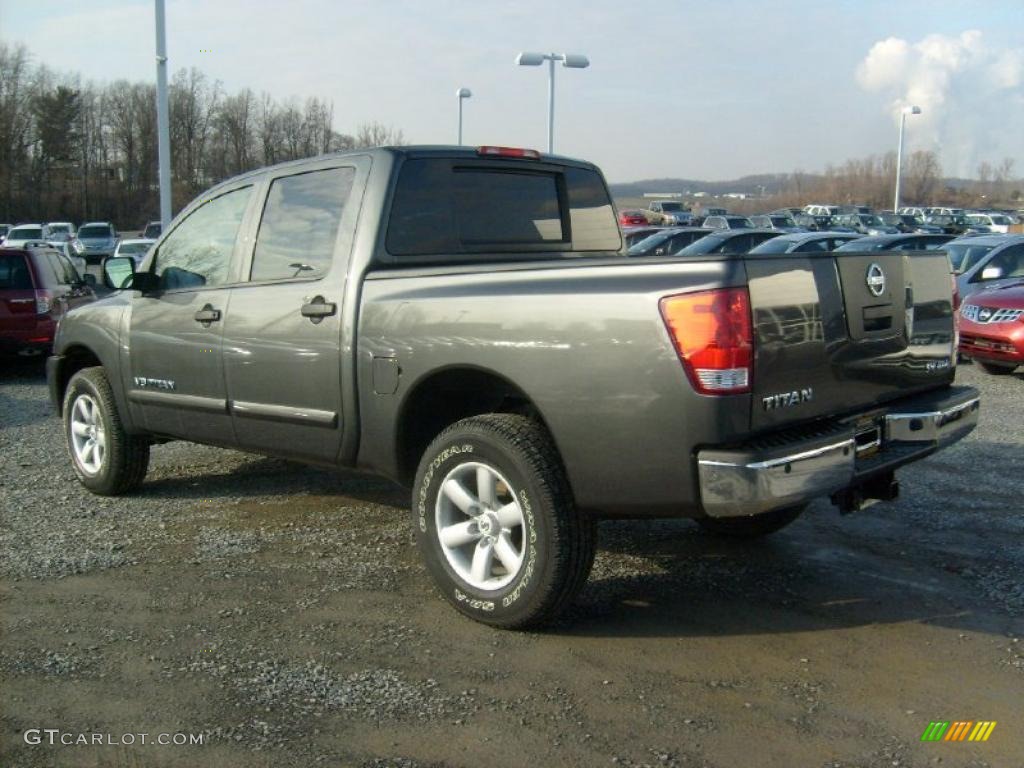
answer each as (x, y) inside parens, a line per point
(281, 612)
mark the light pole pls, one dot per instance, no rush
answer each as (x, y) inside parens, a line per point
(462, 94)
(899, 153)
(162, 111)
(571, 60)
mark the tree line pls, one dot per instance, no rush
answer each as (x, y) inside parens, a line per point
(79, 151)
(871, 181)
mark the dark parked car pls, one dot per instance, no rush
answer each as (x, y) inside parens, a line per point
(727, 222)
(908, 223)
(37, 286)
(806, 242)
(986, 261)
(777, 221)
(729, 241)
(864, 223)
(152, 230)
(668, 241)
(633, 235)
(992, 328)
(897, 243)
(956, 224)
(813, 222)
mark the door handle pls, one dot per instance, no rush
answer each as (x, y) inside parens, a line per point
(318, 308)
(207, 315)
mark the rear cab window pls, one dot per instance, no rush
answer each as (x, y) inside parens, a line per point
(473, 210)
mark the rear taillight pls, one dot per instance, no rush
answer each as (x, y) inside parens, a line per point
(43, 302)
(712, 333)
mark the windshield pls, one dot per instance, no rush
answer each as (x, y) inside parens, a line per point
(738, 222)
(963, 256)
(671, 206)
(866, 244)
(1001, 220)
(649, 243)
(870, 221)
(25, 233)
(775, 245)
(94, 231)
(706, 244)
(62, 229)
(782, 221)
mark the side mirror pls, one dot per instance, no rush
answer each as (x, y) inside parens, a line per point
(117, 271)
(991, 273)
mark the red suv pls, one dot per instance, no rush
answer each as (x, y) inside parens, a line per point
(992, 328)
(37, 286)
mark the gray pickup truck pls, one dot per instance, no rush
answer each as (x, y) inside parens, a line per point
(465, 322)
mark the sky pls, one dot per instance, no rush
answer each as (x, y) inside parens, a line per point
(710, 89)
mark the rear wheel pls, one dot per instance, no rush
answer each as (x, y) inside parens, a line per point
(997, 369)
(752, 526)
(496, 523)
(106, 459)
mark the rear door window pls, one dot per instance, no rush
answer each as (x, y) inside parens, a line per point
(300, 224)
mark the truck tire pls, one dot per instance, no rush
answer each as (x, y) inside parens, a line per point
(106, 460)
(752, 526)
(496, 523)
(996, 369)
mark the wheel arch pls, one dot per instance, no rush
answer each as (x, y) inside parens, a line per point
(446, 395)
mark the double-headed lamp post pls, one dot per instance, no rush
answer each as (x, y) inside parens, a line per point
(571, 60)
(899, 153)
(462, 94)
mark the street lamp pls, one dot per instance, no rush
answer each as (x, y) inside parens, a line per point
(461, 95)
(162, 111)
(571, 60)
(899, 153)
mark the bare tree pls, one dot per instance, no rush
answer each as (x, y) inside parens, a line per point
(375, 134)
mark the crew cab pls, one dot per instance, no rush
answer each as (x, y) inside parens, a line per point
(466, 322)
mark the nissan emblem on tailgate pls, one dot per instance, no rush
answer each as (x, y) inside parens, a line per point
(876, 280)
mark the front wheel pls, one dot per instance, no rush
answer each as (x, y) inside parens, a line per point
(496, 523)
(996, 369)
(106, 459)
(752, 526)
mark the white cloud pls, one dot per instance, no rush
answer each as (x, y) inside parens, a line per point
(969, 92)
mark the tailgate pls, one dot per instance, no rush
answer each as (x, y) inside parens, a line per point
(839, 332)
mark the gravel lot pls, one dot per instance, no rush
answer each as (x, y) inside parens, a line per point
(281, 612)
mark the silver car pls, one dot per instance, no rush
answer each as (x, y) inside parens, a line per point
(100, 240)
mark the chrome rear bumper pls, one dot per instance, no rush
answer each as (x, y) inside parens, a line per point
(748, 481)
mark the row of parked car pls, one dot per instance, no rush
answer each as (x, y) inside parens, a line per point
(88, 244)
(39, 282)
(44, 273)
(816, 218)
